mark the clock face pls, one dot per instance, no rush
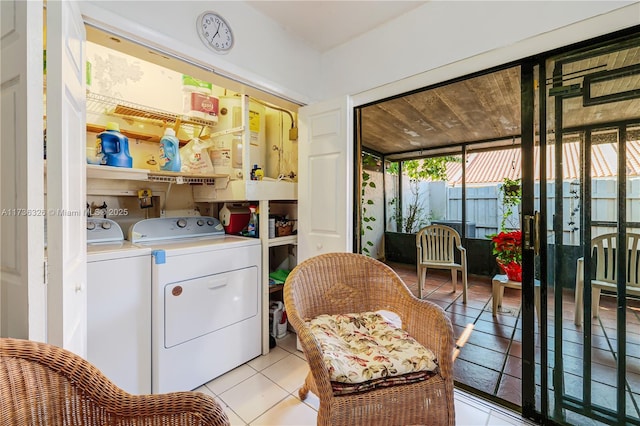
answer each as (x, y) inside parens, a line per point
(215, 32)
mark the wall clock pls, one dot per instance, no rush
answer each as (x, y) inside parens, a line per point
(215, 32)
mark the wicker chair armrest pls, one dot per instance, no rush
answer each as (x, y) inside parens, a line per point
(310, 345)
(66, 377)
(429, 325)
(162, 408)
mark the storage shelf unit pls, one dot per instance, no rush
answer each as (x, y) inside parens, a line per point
(287, 203)
(101, 104)
(214, 188)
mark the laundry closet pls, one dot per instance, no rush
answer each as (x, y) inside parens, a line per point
(212, 228)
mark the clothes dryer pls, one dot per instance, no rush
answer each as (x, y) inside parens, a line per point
(206, 300)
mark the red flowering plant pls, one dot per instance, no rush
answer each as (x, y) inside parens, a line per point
(507, 246)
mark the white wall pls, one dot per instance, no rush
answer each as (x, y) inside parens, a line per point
(444, 32)
(263, 53)
(404, 50)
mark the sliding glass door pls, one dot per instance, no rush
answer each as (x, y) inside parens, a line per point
(586, 184)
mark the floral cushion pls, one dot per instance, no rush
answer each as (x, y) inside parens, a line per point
(364, 347)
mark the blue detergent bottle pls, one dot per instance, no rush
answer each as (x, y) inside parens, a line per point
(170, 151)
(113, 147)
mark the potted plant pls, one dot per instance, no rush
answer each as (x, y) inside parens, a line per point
(507, 246)
(511, 194)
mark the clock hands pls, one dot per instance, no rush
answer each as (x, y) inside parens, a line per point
(219, 39)
(217, 30)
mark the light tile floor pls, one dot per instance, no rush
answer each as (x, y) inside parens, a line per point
(264, 392)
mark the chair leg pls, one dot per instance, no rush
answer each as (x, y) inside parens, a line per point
(306, 387)
(495, 289)
(536, 302)
(303, 392)
(464, 286)
(577, 320)
(422, 277)
(595, 302)
(454, 279)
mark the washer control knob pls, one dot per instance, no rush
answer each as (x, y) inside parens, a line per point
(200, 222)
(210, 222)
(91, 225)
(181, 223)
(106, 225)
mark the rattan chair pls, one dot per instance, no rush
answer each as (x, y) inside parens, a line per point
(41, 384)
(436, 246)
(337, 283)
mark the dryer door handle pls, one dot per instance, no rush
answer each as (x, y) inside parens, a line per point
(217, 284)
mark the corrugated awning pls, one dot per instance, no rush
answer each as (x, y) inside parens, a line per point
(494, 166)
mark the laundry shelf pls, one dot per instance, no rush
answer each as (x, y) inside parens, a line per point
(124, 173)
(102, 104)
(275, 287)
(95, 171)
(281, 241)
(186, 178)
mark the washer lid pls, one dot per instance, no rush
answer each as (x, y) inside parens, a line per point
(97, 252)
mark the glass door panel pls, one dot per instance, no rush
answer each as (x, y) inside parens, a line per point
(592, 209)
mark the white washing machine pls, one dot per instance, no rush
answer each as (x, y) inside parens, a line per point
(206, 300)
(118, 306)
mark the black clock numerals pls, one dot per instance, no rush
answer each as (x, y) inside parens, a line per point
(215, 32)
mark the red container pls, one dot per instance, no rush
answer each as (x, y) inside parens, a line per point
(234, 218)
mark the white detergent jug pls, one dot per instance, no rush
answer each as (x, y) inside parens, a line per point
(278, 318)
(195, 158)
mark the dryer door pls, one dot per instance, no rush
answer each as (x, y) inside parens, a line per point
(203, 305)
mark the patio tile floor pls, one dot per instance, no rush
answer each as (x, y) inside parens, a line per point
(490, 363)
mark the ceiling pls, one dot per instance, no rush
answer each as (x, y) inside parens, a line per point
(486, 109)
(477, 109)
(324, 25)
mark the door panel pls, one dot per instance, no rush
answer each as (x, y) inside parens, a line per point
(66, 177)
(22, 289)
(593, 346)
(325, 200)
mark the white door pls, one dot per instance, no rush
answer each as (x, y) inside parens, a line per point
(22, 283)
(66, 188)
(325, 180)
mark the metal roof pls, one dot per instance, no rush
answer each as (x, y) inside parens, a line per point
(494, 166)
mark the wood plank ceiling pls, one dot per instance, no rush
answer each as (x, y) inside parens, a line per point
(487, 107)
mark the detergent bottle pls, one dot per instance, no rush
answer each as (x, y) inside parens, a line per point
(112, 147)
(169, 151)
(195, 158)
(252, 226)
